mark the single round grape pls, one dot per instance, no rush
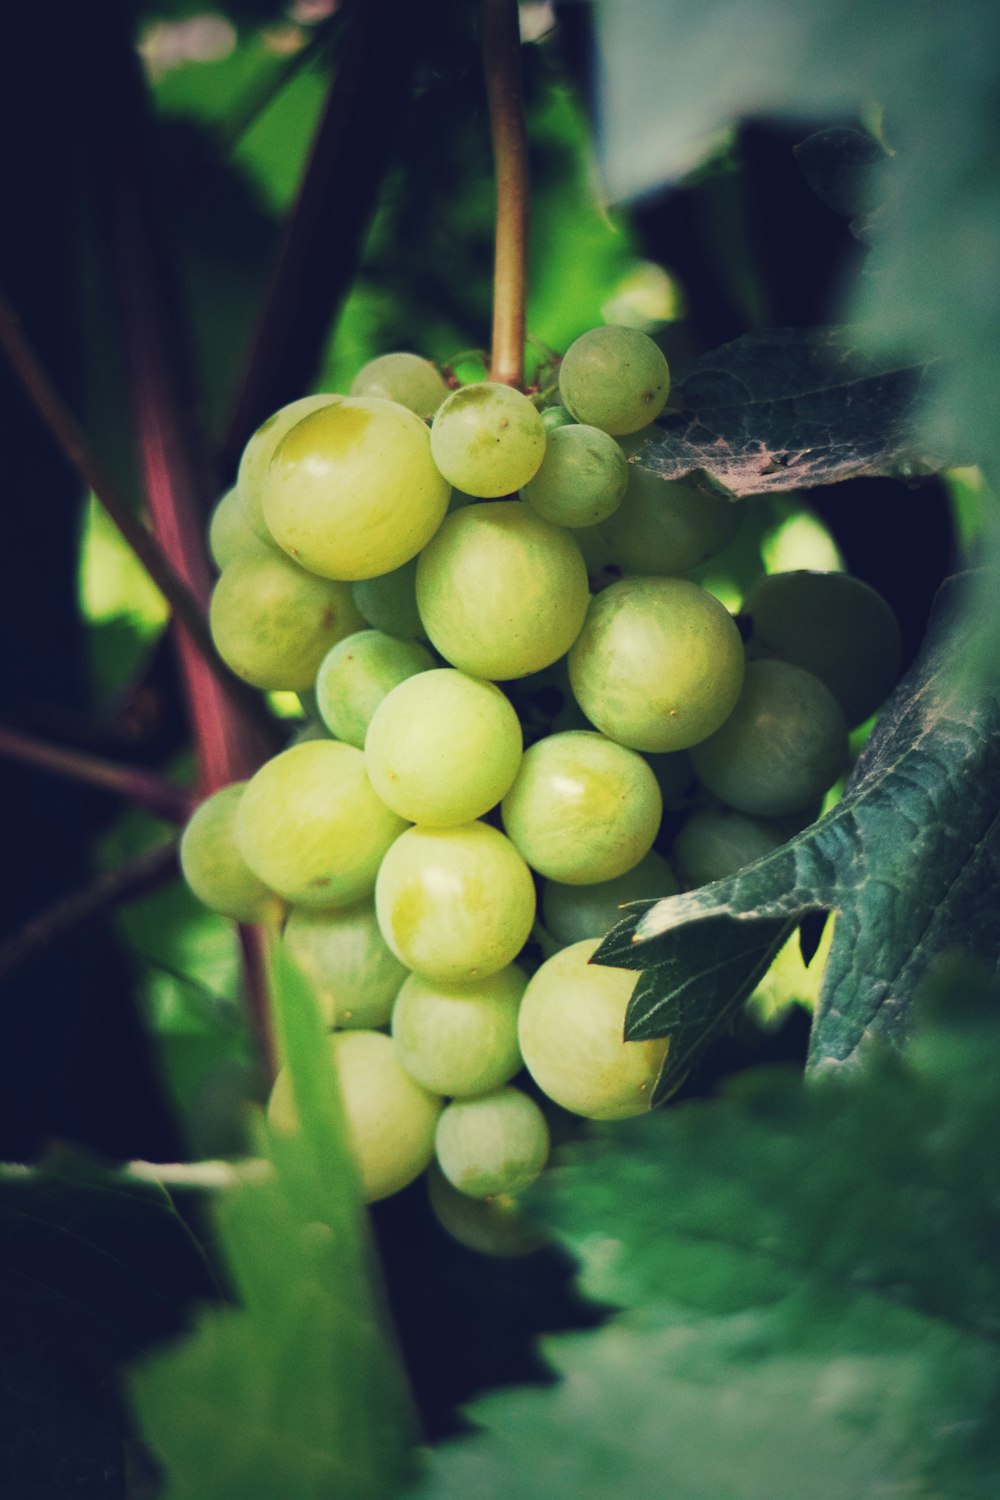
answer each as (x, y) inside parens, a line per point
(390, 1120)
(496, 1143)
(354, 975)
(356, 675)
(665, 526)
(389, 602)
(658, 664)
(490, 1226)
(310, 826)
(487, 439)
(501, 592)
(571, 1029)
(213, 866)
(443, 747)
(784, 744)
(230, 533)
(582, 480)
(555, 416)
(258, 451)
(273, 623)
(614, 378)
(582, 808)
(834, 626)
(717, 841)
(408, 379)
(455, 903)
(352, 491)
(573, 913)
(459, 1039)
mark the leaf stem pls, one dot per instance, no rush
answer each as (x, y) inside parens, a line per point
(501, 50)
(155, 793)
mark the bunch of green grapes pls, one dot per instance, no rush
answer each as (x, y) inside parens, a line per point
(500, 758)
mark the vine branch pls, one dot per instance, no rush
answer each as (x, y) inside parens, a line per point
(155, 793)
(501, 50)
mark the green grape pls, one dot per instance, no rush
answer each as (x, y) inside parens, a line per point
(614, 378)
(497, 1143)
(582, 808)
(390, 1120)
(442, 748)
(354, 975)
(258, 452)
(658, 664)
(665, 526)
(213, 866)
(490, 1226)
(459, 1039)
(408, 379)
(582, 479)
(834, 626)
(273, 623)
(455, 903)
(571, 1028)
(352, 491)
(357, 673)
(501, 592)
(717, 841)
(311, 827)
(554, 417)
(488, 439)
(230, 533)
(389, 602)
(784, 744)
(572, 913)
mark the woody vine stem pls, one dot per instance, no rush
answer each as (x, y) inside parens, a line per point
(501, 49)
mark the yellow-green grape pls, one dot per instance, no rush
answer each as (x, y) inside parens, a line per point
(257, 454)
(717, 841)
(572, 913)
(459, 1039)
(356, 675)
(488, 439)
(582, 808)
(273, 623)
(614, 378)
(665, 526)
(455, 903)
(784, 744)
(390, 1119)
(582, 479)
(832, 625)
(443, 747)
(490, 1226)
(571, 1029)
(230, 533)
(354, 975)
(352, 490)
(310, 826)
(496, 1143)
(658, 664)
(213, 866)
(389, 602)
(554, 417)
(501, 592)
(406, 378)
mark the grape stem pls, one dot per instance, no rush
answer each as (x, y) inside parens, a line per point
(155, 793)
(501, 49)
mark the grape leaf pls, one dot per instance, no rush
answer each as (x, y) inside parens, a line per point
(811, 1294)
(299, 1391)
(909, 859)
(788, 409)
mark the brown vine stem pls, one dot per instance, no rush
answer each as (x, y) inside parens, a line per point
(253, 943)
(157, 795)
(501, 48)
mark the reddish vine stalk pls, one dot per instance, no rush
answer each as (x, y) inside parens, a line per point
(144, 788)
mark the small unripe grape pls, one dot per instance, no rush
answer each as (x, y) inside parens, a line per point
(554, 417)
(390, 1119)
(354, 975)
(459, 1039)
(496, 1143)
(389, 602)
(664, 526)
(213, 866)
(573, 913)
(614, 378)
(355, 676)
(488, 439)
(582, 480)
(408, 379)
(571, 1029)
(717, 841)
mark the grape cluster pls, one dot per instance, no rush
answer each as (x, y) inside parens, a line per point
(494, 744)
